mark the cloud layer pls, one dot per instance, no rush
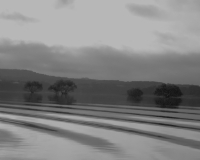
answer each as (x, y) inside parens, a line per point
(103, 39)
(147, 11)
(63, 3)
(101, 62)
(17, 17)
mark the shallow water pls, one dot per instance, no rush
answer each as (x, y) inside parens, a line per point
(145, 127)
(95, 98)
(77, 142)
(27, 144)
(50, 137)
(105, 113)
(178, 130)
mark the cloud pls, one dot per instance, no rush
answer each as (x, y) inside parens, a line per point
(169, 41)
(188, 12)
(184, 5)
(147, 11)
(101, 62)
(17, 17)
(166, 38)
(63, 3)
(182, 30)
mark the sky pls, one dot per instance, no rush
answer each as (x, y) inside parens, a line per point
(128, 40)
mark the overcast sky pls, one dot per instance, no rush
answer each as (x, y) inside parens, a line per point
(146, 40)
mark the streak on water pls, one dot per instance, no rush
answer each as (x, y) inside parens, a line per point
(24, 144)
(128, 146)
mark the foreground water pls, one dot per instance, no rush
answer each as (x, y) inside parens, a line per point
(94, 98)
(63, 141)
(34, 131)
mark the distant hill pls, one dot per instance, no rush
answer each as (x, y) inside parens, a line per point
(24, 75)
(13, 80)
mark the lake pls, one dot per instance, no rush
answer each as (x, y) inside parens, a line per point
(95, 127)
(94, 98)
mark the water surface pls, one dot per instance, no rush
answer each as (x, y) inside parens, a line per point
(94, 98)
(77, 142)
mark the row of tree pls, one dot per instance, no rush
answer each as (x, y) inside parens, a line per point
(61, 86)
(165, 90)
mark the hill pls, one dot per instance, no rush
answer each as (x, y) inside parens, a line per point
(13, 80)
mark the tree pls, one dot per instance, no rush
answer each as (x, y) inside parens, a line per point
(33, 86)
(54, 88)
(135, 92)
(168, 90)
(63, 87)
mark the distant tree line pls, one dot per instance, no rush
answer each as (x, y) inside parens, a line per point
(60, 87)
(63, 87)
(187, 90)
(99, 86)
(163, 90)
(135, 92)
(33, 86)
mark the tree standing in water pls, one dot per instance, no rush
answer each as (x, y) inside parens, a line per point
(168, 90)
(33, 86)
(63, 87)
(135, 93)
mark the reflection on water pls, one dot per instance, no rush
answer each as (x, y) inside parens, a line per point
(35, 98)
(63, 99)
(44, 97)
(134, 100)
(168, 102)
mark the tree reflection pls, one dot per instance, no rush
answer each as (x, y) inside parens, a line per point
(35, 98)
(168, 102)
(134, 99)
(63, 99)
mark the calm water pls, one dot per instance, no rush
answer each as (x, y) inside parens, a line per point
(112, 127)
(78, 142)
(128, 129)
(100, 99)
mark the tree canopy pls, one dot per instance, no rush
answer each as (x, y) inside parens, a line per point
(63, 87)
(134, 92)
(33, 86)
(168, 90)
